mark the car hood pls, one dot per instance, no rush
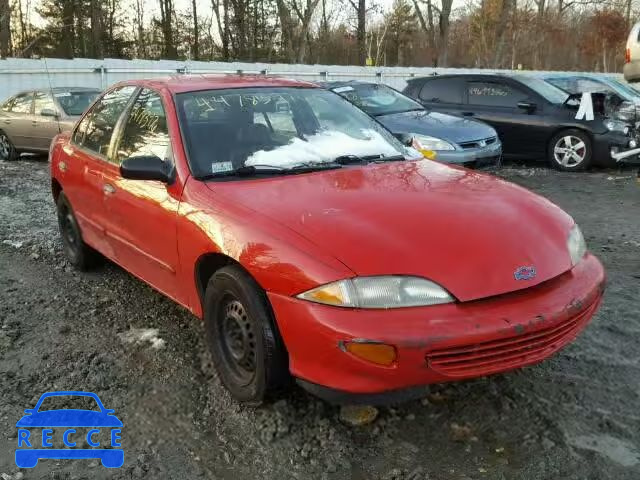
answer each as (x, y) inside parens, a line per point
(465, 230)
(69, 418)
(441, 125)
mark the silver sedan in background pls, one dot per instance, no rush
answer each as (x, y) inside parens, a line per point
(30, 119)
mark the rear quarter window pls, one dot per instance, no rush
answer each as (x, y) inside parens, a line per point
(442, 90)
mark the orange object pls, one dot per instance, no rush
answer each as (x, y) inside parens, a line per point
(379, 353)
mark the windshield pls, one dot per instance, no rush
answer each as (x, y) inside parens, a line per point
(377, 99)
(226, 130)
(549, 92)
(65, 402)
(624, 88)
(75, 103)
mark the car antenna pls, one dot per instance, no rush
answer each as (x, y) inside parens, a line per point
(46, 67)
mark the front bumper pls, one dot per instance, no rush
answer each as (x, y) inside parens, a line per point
(435, 344)
(606, 143)
(489, 156)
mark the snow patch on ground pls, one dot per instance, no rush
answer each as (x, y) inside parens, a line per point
(142, 335)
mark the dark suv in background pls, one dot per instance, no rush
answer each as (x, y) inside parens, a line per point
(533, 118)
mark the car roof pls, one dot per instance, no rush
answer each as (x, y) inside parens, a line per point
(460, 75)
(346, 83)
(192, 83)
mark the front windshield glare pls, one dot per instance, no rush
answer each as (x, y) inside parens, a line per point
(377, 99)
(281, 127)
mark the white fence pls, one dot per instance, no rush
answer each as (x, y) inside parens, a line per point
(18, 74)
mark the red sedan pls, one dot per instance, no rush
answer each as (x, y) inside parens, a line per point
(313, 243)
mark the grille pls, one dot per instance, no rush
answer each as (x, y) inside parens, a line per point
(498, 355)
(478, 143)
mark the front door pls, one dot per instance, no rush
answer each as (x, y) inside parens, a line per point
(142, 214)
(44, 121)
(91, 142)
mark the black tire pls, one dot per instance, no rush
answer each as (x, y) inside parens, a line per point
(570, 150)
(78, 253)
(247, 350)
(7, 151)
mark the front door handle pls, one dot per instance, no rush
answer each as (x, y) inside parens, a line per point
(108, 189)
(468, 114)
(8, 122)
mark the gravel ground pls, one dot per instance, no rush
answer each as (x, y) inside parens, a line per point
(576, 416)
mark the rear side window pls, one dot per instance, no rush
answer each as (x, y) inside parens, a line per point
(22, 103)
(96, 128)
(145, 132)
(442, 90)
(494, 94)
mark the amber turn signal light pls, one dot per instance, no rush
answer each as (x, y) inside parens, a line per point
(378, 353)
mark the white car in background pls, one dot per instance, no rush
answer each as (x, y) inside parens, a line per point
(632, 55)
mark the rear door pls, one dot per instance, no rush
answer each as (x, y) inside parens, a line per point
(495, 101)
(16, 121)
(443, 95)
(44, 125)
(141, 214)
(91, 145)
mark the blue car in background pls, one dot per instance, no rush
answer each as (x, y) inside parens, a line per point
(31, 448)
(439, 136)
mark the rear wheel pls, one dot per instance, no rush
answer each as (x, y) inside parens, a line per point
(78, 253)
(247, 350)
(570, 150)
(7, 151)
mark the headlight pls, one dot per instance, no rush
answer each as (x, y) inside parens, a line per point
(389, 291)
(576, 245)
(432, 143)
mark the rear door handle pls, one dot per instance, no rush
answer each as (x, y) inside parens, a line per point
(108, 189)
(7, 122)
(468, 114)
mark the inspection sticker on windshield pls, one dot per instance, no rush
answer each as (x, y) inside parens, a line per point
(343, 89)
(220, 167)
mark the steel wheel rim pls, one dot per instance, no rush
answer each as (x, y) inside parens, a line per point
(4, 147)
(237, 341)
(570, 151)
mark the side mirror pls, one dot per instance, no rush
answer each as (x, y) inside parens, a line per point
(48, 112)
(145, 168)
(404, 138)
(528, 107)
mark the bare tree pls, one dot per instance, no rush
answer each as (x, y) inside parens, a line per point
(141, 50)
(5, 28)
(166, 15)
(196, 34)
(361, 31)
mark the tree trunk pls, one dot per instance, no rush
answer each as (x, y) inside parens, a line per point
(96, 50)
(507, 7)
(443, 44)
(141, 50)
(196, 32)
(362, 32)
(5, 28)
(166, 15)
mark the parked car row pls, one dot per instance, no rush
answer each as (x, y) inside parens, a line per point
(466, 119)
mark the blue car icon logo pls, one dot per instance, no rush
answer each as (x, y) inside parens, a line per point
(99, 424)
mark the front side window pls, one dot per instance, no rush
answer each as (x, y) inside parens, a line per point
(281, 127)
(494, 94)
(22, 103)
(145, 132)
(43, 101)
(96, 128)
(377, 99)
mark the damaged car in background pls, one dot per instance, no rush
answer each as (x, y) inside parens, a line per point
(535, 119)
(438, 136)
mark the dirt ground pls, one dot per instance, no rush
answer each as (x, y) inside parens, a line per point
(576, 416)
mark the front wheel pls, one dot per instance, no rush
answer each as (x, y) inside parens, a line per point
(570, 150)
(79, 254)
(247, 350)
(7, 151)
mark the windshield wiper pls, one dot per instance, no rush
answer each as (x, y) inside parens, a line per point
(354, 159)
(249, 170)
